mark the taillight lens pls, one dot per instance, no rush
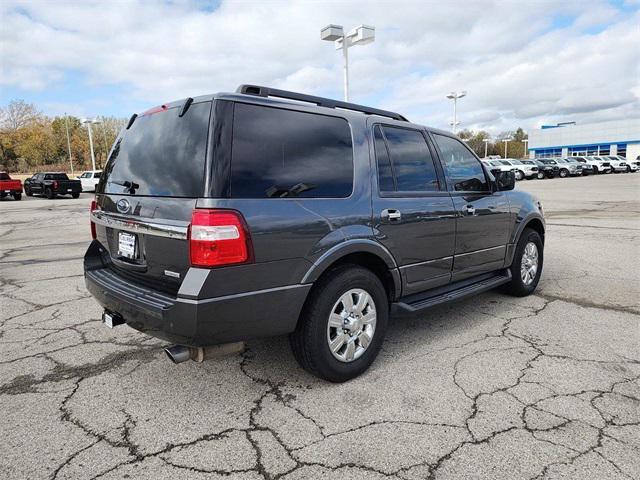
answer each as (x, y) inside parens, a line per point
(218, 237)
(55, 185)
(94, 205)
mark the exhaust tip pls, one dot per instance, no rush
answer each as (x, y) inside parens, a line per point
(178, 353)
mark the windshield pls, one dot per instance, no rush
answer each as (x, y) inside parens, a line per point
(527, 162)
(161, 154)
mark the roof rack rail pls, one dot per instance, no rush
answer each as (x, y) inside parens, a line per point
(320, 101)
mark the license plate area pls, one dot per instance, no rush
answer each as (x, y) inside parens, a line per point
(127, 245)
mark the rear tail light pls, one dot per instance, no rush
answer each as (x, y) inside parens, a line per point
(55, 185)
(218, 237)
(94, 206)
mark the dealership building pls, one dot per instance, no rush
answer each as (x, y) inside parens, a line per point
(618, 137)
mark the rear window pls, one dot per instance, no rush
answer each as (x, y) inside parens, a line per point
(4, 176)
(279, 153)
(56, 176)
(161, 155)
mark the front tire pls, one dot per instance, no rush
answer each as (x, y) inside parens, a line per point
(540, 175)
(526, 267)
(17, 196)
(564, 173)
(342, 325)
(519, 174)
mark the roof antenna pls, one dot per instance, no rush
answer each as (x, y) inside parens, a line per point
(185, 106)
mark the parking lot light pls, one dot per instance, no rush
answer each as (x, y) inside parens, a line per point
(362, 35)
(88, 123)
(506, 141)
(526, 152)
(455, 96)
(486, 146)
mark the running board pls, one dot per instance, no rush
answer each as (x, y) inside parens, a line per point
(455, 291)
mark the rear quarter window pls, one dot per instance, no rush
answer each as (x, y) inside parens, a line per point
(278, 153)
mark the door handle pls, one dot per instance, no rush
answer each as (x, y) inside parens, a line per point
(391, 215)
(471, 210)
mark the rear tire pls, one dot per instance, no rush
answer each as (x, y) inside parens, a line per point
(523, 284)
(17, 196)
(310, 341)
(628, 169)
(595, 170)
(75, 195)
(540, 175)
(49, 193)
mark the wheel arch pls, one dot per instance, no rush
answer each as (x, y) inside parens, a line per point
(365, 253)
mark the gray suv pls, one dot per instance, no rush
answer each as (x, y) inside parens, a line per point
(229, 217)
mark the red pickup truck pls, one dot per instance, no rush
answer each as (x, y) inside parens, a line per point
(10, 187)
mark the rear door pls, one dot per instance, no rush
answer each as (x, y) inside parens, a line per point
(482, 229)
(414, 216)
(148, 192)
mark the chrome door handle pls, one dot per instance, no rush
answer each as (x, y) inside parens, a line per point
(471, 210)
(391, 215)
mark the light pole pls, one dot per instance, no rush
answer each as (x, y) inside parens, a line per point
(486, 146)
(526, 152)
(506, 141)
(361, 35)
(93, 156)
(455, 96)
(66, 125)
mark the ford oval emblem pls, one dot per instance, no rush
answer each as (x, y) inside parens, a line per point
(123, 205)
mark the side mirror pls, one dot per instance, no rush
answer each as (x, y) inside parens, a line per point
(505, 181)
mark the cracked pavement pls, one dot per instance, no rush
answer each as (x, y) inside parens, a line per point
(494, 387)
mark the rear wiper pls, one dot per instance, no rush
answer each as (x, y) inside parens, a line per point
(130, 186)
(281, 192)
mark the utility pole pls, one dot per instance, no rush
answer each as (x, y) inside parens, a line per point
(66, 124)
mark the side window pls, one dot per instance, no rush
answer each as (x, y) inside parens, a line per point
(96, 175)
(462, 167)
(411, 160)
(280, 153)
(385, 173)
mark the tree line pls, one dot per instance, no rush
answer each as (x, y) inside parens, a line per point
(515, 146)
(31, 141)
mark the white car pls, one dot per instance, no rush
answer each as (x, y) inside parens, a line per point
(523, 168)
(600, 164)
(89, 180)
(501, 165)
(620, 164)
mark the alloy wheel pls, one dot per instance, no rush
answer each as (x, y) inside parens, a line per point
(351, 325)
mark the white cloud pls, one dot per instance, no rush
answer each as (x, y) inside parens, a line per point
(517, 68)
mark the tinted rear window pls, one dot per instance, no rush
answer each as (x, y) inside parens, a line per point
(56, 176)
(4, 176)
(282, 153)
(161, 155)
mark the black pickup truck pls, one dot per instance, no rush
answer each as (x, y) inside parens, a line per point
(51, 184)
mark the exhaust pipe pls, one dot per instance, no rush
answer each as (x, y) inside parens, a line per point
(180, 353)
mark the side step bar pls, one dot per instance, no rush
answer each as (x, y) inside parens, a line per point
(449, 293)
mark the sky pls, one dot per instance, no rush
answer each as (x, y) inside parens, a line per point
(523, 63)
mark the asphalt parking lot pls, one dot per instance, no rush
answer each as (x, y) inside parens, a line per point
(493, 387)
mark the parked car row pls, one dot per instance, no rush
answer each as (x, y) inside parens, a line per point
(49, 184)
(563, 167)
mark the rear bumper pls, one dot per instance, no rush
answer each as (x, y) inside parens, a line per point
(189, 321)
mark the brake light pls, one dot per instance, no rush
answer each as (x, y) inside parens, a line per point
(94, 206)
(55, 185)
(218, 237)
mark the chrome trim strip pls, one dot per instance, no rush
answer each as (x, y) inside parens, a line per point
(480, 251)
(139, 225)
(426, 263)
